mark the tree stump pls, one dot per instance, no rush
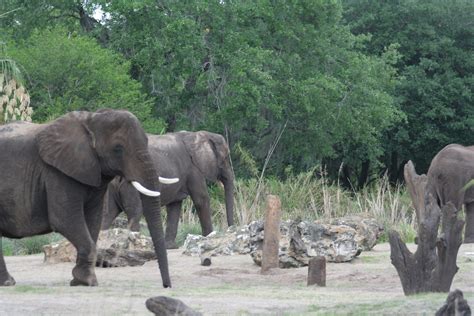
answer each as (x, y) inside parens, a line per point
(164, 306)
(455, 305)
(317, 271)
(416, 185)
(433, 266)
(271, 234)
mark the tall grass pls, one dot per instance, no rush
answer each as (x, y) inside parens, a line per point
(307, 197)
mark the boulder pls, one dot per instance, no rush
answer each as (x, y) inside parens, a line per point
(115, 247)
(368, 229)
(301, 241)
(234, 241)
(338, 240)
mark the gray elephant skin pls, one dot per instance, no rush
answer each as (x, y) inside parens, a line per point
(450, 170)
(55, 176)
(193, 157)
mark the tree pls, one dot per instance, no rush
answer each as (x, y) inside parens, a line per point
(67, 72)
(250, 70)
(435, 40)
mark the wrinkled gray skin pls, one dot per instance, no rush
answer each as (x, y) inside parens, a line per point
(193, 157)
(450, 170)
(55, 175)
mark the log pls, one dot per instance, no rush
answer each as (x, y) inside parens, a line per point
(433, 266)
(317, 271)
(164, 306)
(271, 235)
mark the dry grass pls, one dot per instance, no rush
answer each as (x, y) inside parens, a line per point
(307, 197)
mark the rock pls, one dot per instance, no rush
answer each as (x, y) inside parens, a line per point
(63, 251)
(115, 247)
(233, 241)
(339, 240)
(304, 240)
(455, 305)
(368, 229)
(164, 306)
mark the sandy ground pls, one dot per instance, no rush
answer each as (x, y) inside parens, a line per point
(232, 285)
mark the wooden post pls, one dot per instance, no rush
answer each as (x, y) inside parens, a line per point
(205, 261)
(317, 271)
(271, 234)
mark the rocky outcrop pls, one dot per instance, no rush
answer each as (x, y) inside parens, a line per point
(339, 240)
(301, 241)
(234, 241)
(115, 248)
(368, 229)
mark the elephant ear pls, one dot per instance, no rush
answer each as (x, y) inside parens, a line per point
(68, 145)
(208, 152)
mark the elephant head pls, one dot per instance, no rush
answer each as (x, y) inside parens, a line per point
(210, 154)
(92, 148)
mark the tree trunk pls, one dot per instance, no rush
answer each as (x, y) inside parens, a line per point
(433, 266)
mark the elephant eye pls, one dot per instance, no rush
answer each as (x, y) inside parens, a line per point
(118, 149)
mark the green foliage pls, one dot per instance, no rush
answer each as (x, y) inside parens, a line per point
(250, 68)
(28, 246)
(69, 72)
(435, 42)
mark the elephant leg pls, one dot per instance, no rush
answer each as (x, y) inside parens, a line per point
(5, 278)
(69, 220)
(200, 197)
(469, 228)
(93, 213)
(172, 220)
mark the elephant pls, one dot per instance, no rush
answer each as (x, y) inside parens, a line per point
(449, 172)
(193, 157)
(55, 176)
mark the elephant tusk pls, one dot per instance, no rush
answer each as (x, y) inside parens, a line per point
(140, 188)
(168, 180)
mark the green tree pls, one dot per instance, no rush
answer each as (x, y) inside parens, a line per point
(254, 69)
(69, 72)
(435, 40)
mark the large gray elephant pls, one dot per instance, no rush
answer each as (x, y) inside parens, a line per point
(54, 177)
(450, 170)
(193, 157)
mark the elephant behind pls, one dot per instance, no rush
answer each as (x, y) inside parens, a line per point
(54, 177)
(450, 170)
(193, 157)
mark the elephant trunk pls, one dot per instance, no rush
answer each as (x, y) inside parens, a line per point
(228, 182)
(151, 210)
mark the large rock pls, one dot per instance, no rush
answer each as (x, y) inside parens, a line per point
(234, 241)
(301, 241)
(368, 229)
(338, 240)
(115, 247)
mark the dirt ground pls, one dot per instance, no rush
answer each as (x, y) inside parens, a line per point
(232, 285)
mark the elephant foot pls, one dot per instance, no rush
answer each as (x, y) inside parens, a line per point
(82, 277)
(7, 281)
(76, 282)
(171, 244)
(469, 239)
